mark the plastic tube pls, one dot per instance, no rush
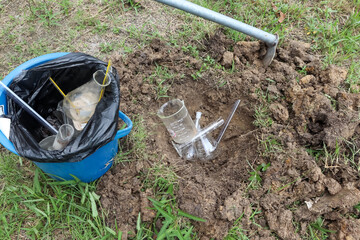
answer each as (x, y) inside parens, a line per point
(64, 136)
(202, 133)
(232, 112)
(28, 109)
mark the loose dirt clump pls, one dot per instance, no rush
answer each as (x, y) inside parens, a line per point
(309, 110)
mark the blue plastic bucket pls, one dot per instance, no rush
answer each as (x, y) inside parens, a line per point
(88, 169)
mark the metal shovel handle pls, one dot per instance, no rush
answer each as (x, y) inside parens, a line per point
(270, 39)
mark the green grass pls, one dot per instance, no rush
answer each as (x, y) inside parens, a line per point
(270, 145)
(160, 177)
(161, 79)
(255, 178)
(237, 232)
(317, 230)
(339, 38)
(37, 207)
(163, 180)
(352, 80)
(175, 223)
(133, 147)
(346, 152)
(262, 112)
(262, 116)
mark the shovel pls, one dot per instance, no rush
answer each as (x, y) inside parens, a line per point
(270, 39)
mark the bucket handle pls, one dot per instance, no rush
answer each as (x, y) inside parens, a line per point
(123, 132)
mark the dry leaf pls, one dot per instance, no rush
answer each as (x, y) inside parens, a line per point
(278, 13)
(282, 17)
(274, 7)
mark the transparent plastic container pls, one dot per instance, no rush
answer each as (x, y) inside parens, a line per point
(205, 148)
(205, 145)
(80, 104)
(186, 150)
(47, 143)
(60, 140)
(64, 136)
(177, 120)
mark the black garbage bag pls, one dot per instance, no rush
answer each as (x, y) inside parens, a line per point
(35, 88)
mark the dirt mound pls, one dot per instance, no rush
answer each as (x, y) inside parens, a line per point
(308, 109)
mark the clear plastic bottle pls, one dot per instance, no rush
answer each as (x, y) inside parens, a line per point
(80, 103)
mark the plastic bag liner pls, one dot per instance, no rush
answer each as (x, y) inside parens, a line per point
(35, 88)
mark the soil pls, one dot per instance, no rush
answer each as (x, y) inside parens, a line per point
(309, 109)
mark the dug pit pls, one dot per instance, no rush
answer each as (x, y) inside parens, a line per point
(308, 109)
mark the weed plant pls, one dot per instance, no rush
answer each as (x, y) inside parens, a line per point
(347, 153)
(161, 79)
(255, 178)
(175, 222)
(317, 231)
(237, 232)
(262, 116)
(133, 147)
(44, 207)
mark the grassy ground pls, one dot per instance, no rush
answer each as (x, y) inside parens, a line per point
(36, 207)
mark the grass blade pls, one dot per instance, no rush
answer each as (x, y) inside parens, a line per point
(93, 206)
(110, 231)
(192, 217)
(167, 216)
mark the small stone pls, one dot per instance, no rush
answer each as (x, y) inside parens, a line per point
(334, 75)
(299, 62)
(331, 91)
(196, 63)
(316, 174)
(332, 186)
(237, 60)
(279, 112)
(307, 79)
(300, 45)
(273, 89)
(227, 59)
(145, 88)
(253, 96)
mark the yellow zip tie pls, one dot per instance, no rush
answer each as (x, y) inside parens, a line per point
(62, 93)
(107, 71)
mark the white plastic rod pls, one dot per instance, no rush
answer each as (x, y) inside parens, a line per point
(232, 112)
(28, 109)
